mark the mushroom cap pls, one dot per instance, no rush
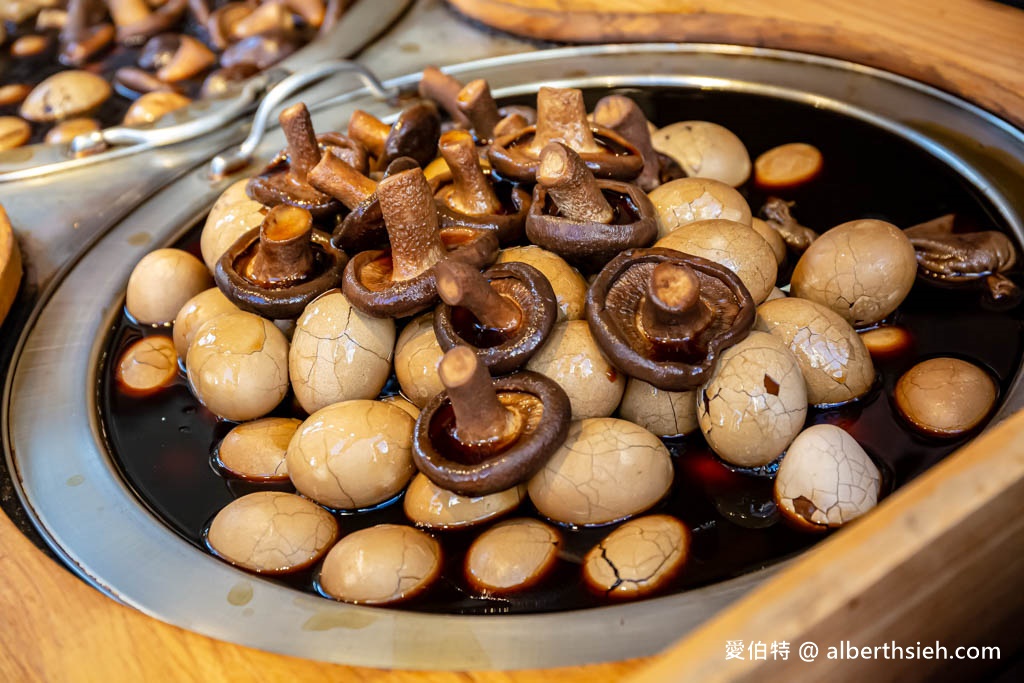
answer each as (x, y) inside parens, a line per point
(945, 396)
(283, 301)
(352, 455)
(638, 558)
(834, 361)
(825, 480)
(368, 282)
(862, 270)
(572, 358)
(619, 160)
(428, 505)
(238, 366)
(509, 224)
(614, 303)
(338, 353)
(569, 286)
(607, 470)
(233, 214)
(590, 244)
(414, 134)
(363, 566)
(276, 184)
(271, 532)
(160, 284)
(705, 150)
(688, 200)
(736, 246)
(755, 402)
(543, 428)
(255, 450)
(530, 290)
(512, 556)
(64, 95)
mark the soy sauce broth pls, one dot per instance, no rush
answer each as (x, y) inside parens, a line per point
(162, 444)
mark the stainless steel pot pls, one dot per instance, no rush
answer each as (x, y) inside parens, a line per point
(67, 481)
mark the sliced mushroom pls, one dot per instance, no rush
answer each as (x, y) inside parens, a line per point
(469, 196)
(285, 180)
(481, 436)
(964, 258)
(777, 215)
(584, 220)
(277, 269)
(562, 117)
(664, 316)
(400, 281)
(504, 314)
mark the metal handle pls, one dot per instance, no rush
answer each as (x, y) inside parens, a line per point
(230, 162)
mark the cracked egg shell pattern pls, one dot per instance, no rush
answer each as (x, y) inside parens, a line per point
(233, 214)
(862, 270)
(638, 558)
(826, 479)
(705, 150)
(352, 455)
(688, 200)
(428, 505)
(272, 532)
(338, 353)
(204, 306)
(381, 565)
(569, 286)
(238, 366)
(607, 470)
(417, 356)
(733, 245)
(836, 365)
(255, 450)
(945, 396)
(147, 365)
(512, 556)
(755, 402)
(663, 413)
(160, 284)
(571, 357)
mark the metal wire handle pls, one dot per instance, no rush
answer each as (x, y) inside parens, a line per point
(229, 162)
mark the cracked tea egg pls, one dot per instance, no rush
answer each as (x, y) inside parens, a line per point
(160, 284)
(255, 450)
(233, 214)
(825, 480)
(381, 565)
(270, 532)
(640, 557)
(417, 355)
(661, 412)
(352, 455)
(605, 471)
(147, 365)
(755, 403)
(238, 366)
(688, 200)
(204, 306)
(338, 353)
(945, 396)
(512, 556)
(428, 505)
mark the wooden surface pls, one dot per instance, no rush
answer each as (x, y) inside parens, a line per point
(10, 265)
(973, 48)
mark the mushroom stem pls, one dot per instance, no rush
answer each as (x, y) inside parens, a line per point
(477, 104)
(673, 314)
(303, 149)
(410, 216)
(571, 185)
(459, 284)
(470, 191)
(561, 115)
(369, 131)
(624, 116)
(480, 418)
(438, 86)
(340, 180)
(284, 252)
(513, 123)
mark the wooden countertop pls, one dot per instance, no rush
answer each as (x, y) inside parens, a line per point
(56, 628)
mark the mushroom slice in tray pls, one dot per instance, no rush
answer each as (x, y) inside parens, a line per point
(664, 316)
(481, 436)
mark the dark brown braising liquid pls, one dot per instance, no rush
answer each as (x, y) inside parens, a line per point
(162, 443)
